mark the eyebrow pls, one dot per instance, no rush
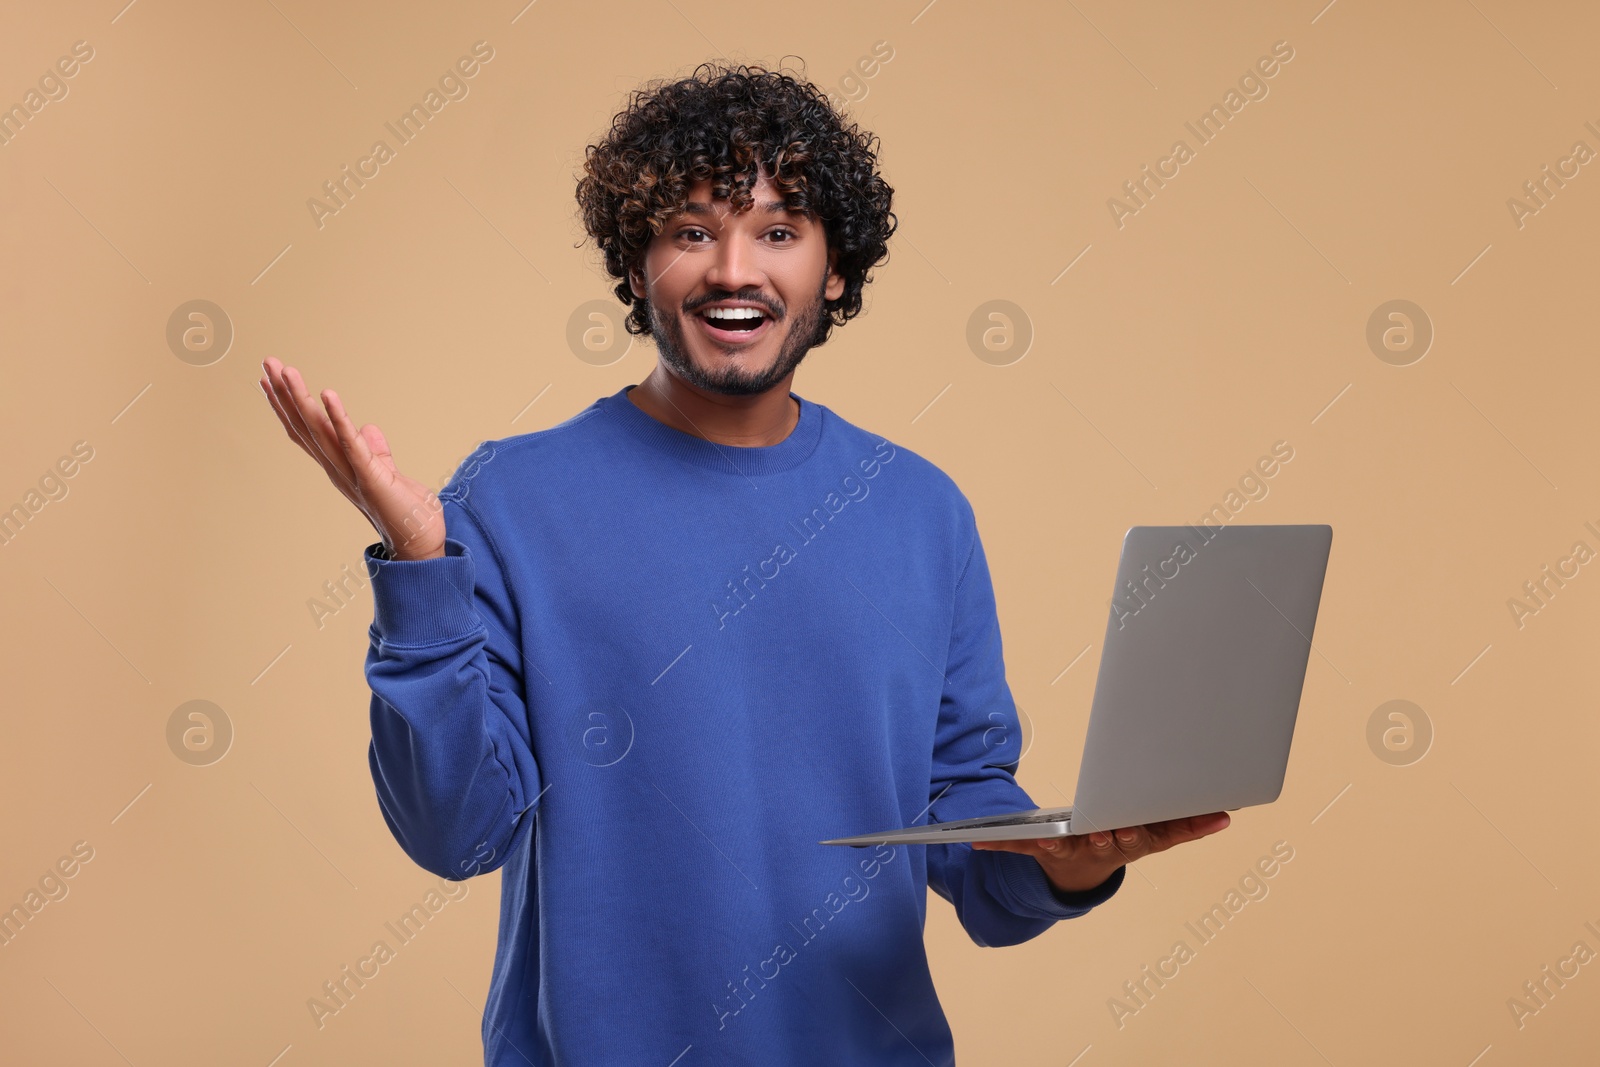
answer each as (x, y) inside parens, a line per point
(771, 207)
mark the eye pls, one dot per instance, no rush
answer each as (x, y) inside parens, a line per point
(692, 229)
(786, 230)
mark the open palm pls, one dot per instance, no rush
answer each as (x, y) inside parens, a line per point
(405, 513)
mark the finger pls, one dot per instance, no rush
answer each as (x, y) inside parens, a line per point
(309, 416)
(288, 408)
(1200, 825)
(1040, 848)
(1104, 843)
(316, 436)
(372, 456)
(1100, 842)
(1132, 840)
(1178, 831)
(315, 424)
(355, 446)
(378, 444)
(1130, 843)
(277, 407)
(278, 395)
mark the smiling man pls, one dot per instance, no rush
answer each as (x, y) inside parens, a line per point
(552, 698)
(770, 251)
(736, 302)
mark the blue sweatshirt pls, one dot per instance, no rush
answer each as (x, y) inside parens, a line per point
(650, 673)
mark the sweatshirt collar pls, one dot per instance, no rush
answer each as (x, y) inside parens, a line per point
(729, 459)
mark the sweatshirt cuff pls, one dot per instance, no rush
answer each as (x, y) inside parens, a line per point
(1023, 875)
(422, 601)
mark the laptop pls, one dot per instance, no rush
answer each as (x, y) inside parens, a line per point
(1207, 640)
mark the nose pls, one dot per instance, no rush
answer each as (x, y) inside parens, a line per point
(734, 266)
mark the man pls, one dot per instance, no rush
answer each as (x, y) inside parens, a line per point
(644, 660)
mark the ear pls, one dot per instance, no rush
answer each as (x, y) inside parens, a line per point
(636, 282)
(835, 286)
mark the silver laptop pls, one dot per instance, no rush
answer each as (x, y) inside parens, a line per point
(1207, 640)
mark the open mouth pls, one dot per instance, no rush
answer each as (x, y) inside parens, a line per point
(734, 326)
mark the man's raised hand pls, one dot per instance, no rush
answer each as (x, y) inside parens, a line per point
(405, 513)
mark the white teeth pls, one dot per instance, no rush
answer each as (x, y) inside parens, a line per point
(732, 313)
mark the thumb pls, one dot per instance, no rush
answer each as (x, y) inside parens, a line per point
(377, 444)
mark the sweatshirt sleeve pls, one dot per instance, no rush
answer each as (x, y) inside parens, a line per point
(1001, 898)
(451, 753)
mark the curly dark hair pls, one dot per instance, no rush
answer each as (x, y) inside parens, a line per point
(720, 124)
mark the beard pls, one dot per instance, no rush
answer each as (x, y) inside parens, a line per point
(727, 379)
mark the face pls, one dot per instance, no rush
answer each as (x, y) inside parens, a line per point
(764, 255)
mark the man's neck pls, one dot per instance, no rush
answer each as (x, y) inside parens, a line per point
(743, 421)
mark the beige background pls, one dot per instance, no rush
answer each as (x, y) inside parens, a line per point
(1230, 312)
